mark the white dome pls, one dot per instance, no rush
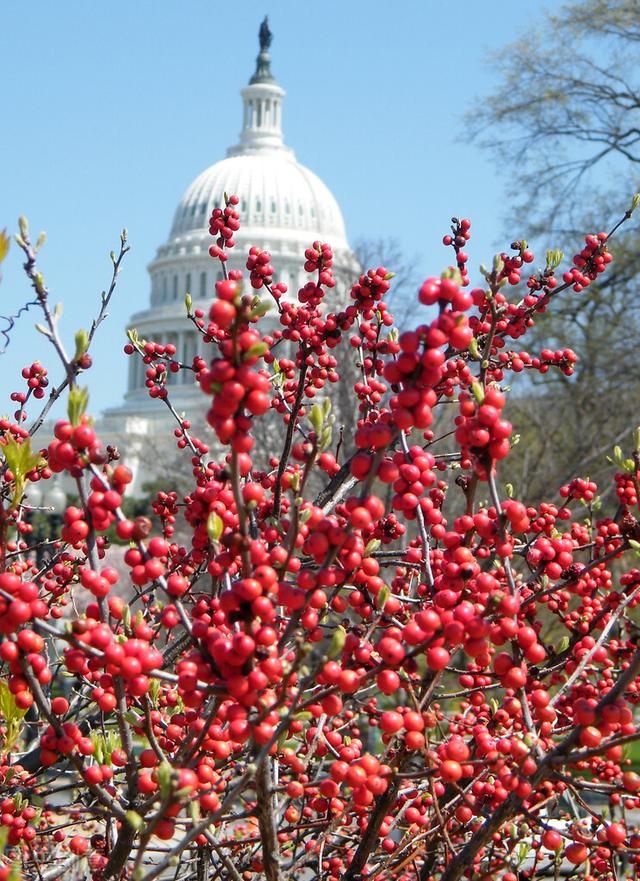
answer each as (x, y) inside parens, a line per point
(284, 207)
(276, 193)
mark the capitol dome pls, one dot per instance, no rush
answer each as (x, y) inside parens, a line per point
(284, 207)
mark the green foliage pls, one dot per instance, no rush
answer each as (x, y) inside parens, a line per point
(12, 715)
(20, 460)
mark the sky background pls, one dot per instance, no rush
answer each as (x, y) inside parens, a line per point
(109, 110)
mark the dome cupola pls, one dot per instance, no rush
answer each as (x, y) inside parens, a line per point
(284, 207)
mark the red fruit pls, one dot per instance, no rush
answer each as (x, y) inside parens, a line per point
(451, 771)
(437, 658)
(79, 845)
(576, 853)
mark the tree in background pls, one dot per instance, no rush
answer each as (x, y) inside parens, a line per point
(566, 120)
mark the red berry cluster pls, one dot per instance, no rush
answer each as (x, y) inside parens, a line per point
(589, 263)
(260, 268)
(481, 431)
(223, 223)
(74, 447)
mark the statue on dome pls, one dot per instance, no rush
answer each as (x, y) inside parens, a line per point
(264, 35)
(263, 61)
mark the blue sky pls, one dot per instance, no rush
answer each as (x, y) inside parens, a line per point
(109, 110)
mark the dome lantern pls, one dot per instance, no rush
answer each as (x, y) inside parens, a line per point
(262, 100)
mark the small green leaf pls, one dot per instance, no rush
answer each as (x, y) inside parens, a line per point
(20, 461)
(474, 349)
(188, 302)
(164, 778)
(383, 596)
(316, 418)
(563, 645)
(337, 642)
(261, 308)
(215, 526)
(255, 351)
(77, 404)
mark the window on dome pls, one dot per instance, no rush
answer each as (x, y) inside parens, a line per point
(243, 204)
(300, 209)
(187, 283)
(175, 287)
(203, 284)
(164, 287)
(258, 205)
(287, 209)
(273, 206)
(203, 208)
(313, 212)
(259, 113)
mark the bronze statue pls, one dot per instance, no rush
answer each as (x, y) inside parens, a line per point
(264, 35)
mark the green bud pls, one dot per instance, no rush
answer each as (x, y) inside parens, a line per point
(188, 302)
(478, 392)
(5, 243)
(77, 404)
(82, 344)
(164, 778)
(134, 820)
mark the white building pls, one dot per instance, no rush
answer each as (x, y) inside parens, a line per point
(284, 207)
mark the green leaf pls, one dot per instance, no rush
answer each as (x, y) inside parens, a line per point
(188, 302)
(563, 645)
(164, 778)
(154, 691)
(261, 308)
(20, 460)
(255, 351)
(474, 349)
(478, 392)
(77, 404)
(215, 525)
(383, 596)
(316, 418)
(372, 546)
(337, 642)
(13, 716)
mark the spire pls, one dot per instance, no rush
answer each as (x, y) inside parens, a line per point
(263, 61)
(262, 99)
